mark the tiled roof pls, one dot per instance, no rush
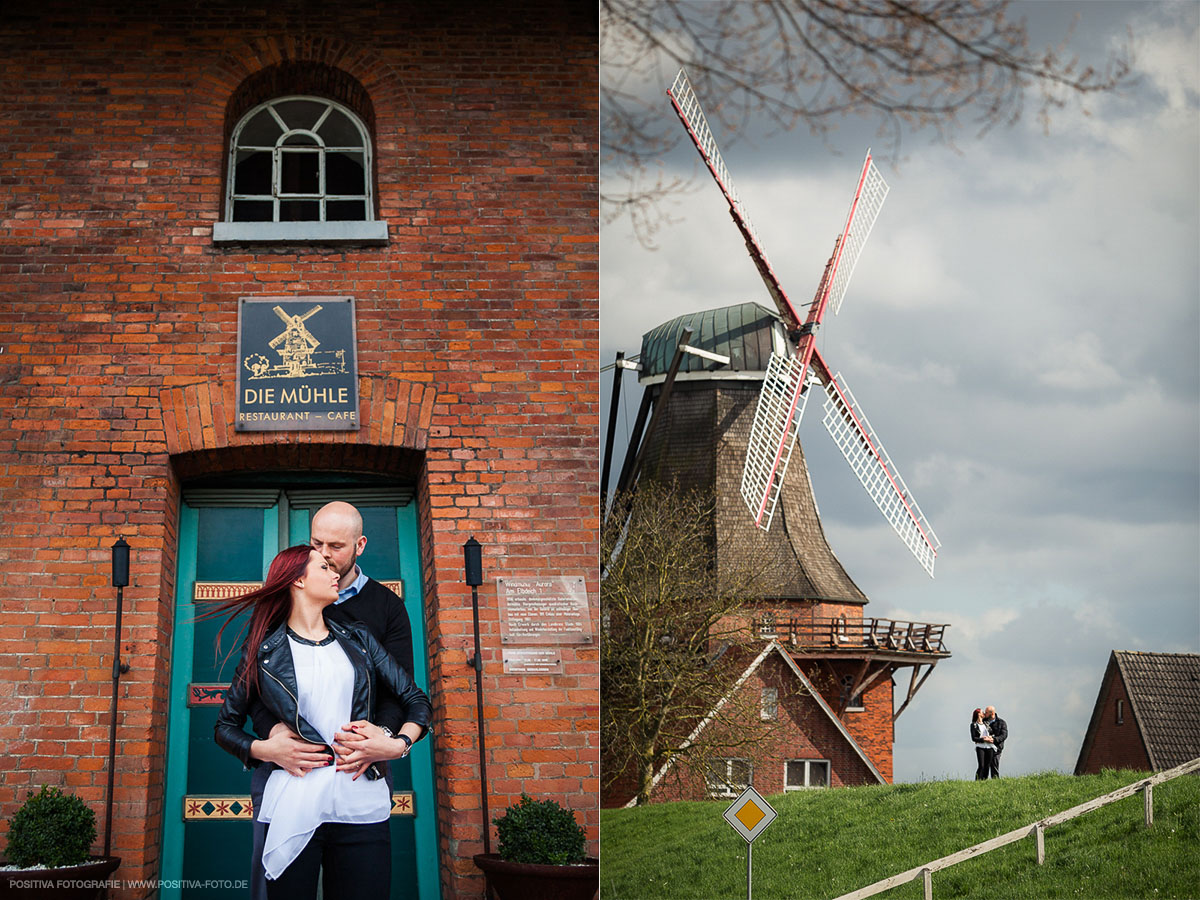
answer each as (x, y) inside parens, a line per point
(1164, 693)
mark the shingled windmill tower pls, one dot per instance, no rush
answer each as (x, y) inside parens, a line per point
(723, 395)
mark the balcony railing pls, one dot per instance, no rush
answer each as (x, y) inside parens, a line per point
(852, 634)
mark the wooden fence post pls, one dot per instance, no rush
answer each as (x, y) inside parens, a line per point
(927, 878)
(1039, 834)
(1149, 798)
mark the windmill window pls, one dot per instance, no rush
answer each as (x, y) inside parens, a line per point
(766, 626)
(728, 777)
(799, 774)
(300, 170)
(855, 703)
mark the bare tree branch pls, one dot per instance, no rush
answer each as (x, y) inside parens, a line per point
(907, 64)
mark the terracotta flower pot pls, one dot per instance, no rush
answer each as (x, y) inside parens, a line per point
(529, 881)
(83, 882)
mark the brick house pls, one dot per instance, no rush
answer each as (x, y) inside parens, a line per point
(837, 666)
(1147, 714)
(435, 164)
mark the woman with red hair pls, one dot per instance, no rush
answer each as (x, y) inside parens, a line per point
(316, 675)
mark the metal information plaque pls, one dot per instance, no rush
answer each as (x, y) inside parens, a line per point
(531, 661)
(548, 610)
(297, 364)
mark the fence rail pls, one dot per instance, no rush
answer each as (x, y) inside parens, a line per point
(1035, 830)
(871, 634)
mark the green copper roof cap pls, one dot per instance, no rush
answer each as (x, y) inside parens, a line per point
(745, 333)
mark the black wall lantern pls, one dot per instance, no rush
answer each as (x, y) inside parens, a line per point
(120, 580)
(473, 575)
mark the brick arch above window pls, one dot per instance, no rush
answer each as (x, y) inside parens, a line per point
(199, 417)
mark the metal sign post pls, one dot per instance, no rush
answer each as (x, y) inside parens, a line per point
(749, 815)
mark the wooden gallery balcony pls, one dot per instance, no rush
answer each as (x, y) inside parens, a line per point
(880, 646)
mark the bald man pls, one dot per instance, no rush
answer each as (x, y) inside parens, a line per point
(337, 534)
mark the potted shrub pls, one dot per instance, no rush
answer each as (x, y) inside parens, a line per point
(541, 855)
(48, 850)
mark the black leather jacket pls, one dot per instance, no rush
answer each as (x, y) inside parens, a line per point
(373, 669)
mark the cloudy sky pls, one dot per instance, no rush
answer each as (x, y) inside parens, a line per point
(1022, 330)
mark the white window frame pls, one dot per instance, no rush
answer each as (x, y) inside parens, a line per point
(1120, 711)
(727, 789)
(769, 704)
(366, 230)
(807, 763)
(768, 627)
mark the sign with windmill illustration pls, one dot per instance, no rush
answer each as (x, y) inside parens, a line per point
(297, 364)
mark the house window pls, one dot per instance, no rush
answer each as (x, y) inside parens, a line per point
(805, 773)
(728, 777)
(770, 704)
(1120, 712)
(855, 703)
(300, 169)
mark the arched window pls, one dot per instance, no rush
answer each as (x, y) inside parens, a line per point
(300, 169)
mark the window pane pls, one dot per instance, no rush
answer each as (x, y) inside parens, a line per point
(770, 703)
(300, 113)
(252, 175)
(261, 131)
(338, 131)
(253, 210)
(301, 139)
(740, 773)
(818, 774)
(301, 173)
(345, 211)
(299, 211)
(794, 773)
(345, 173)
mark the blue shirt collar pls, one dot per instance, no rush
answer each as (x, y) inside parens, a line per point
(355, 586)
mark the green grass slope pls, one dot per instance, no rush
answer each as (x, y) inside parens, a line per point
(827, 843)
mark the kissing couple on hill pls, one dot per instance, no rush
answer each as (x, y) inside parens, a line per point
(988, 734)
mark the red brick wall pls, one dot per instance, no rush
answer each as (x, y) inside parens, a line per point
(872, 726)
(802, 731)
(1115, 746)
(477, 328)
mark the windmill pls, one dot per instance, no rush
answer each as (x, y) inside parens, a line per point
(298, 342)
(799, 366)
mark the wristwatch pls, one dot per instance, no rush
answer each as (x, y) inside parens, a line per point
(403, 737)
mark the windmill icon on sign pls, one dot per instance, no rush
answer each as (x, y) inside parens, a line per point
(297, 349)
(790, 374)
(298, 342)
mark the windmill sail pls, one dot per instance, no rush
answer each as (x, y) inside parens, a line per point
(688, 108)
(864, 210)
(784, 392)
(852, 433)
(773, 435)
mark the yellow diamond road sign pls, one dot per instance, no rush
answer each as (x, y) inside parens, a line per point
(749, 814)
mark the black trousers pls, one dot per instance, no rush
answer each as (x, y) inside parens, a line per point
(983, 759)
(995, 767)
(357, 860)
(258, 784)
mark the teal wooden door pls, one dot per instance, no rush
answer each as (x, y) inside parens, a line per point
(227, 538)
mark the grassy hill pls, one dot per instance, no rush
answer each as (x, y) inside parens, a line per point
(827, 843)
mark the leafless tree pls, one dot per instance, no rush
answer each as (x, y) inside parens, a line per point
(909, 64)
(675, 641)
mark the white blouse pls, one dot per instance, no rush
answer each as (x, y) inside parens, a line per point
(295, 806)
